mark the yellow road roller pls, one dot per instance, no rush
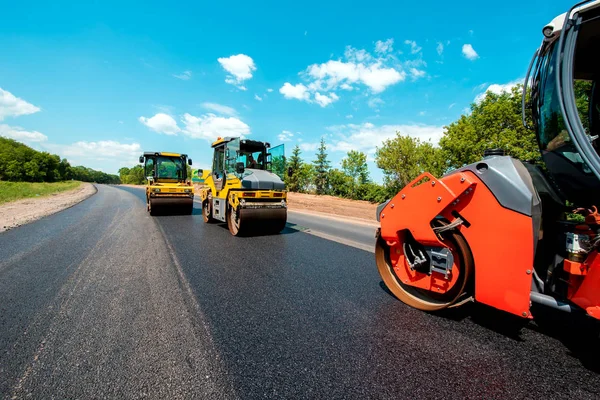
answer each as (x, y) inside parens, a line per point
(245, 187)
(168, 187)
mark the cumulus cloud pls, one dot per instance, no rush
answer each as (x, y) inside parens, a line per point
(497, 89)
(309, 146)
(298, 92)
(186, 75)
(211, 126)
(220, 109)
(325, 100)
(367, 136)
(240, 68)
(414, 48)
(469, 52)
(257, 97)
(102, 149)
(356, 68)
(349, 116)
(269, 90)
(161, 123)
(385, 46)
(12, 106)
(20, 134)
(285, 136)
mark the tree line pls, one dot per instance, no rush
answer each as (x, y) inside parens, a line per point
(19, 162)
(494, 122)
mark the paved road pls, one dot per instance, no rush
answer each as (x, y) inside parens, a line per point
(102, 300)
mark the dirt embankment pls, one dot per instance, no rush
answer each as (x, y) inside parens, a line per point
(20, 212)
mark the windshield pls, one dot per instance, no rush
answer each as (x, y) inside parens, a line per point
(566, 167)
(166, 167)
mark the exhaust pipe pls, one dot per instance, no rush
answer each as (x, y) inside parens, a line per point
(549, 301)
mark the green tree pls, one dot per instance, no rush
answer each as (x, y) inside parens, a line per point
(306, 177)
(321, 169)
(403, 158)
(494, 122)
(355, 166)
(340, 183)
(294, 164)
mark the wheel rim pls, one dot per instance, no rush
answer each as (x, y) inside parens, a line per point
(393, 269)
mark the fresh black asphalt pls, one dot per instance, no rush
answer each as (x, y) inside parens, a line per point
(104, 301)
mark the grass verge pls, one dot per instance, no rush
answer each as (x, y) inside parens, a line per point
(11, 191)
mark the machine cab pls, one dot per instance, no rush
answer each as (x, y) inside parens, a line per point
(241, 158)
(165, 167)
(565, 102)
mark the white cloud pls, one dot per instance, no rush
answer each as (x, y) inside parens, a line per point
(186, 75)
(422, 113)
(469, 52)
(375, 102)
(21, 135)
(161, 123)
(220, 109)
(239, 66)
(104, 148)
(210, 126)
(285, 136)
(497, 89)
(299, 91)
(355, 68)
(414, 48)
(12, 106)
(257, 97)
(416, 73)
(349, 116)
(384, 47)
(440, 48)
(269, 90)
(121, 122)
(367, 136)
(451, 105)
(324, 100)
(309, 146)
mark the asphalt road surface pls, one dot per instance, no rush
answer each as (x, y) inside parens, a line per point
(104, 301)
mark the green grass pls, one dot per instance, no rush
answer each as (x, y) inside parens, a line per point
(11, 191)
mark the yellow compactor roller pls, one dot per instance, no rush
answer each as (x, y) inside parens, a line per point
(245, 187)
(168, 188)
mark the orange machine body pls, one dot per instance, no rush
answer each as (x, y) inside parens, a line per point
(503, 256)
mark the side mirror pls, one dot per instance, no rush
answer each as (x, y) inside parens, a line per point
(141, 159)
(199, 172)
(290, 171)
(239, 168)
(189, 161)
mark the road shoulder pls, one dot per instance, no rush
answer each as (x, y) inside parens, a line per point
(21, 212)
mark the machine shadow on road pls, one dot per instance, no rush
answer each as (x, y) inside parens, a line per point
(289, 229)
(581, 338)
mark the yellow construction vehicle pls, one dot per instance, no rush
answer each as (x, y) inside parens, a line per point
(167, 185)
(245, 186)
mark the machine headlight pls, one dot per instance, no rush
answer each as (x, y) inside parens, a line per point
(188, 190)
(156, 190)
(242, 202)
(282, 203)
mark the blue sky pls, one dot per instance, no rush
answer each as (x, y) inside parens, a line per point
(101, 82)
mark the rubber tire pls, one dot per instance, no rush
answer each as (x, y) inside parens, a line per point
(206, 213)
(408, 294)
(152, 210)
(238, 230)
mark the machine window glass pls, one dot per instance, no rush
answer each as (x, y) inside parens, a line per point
(149, 167)
(169, 167)
(218, 166)
(277, 160)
